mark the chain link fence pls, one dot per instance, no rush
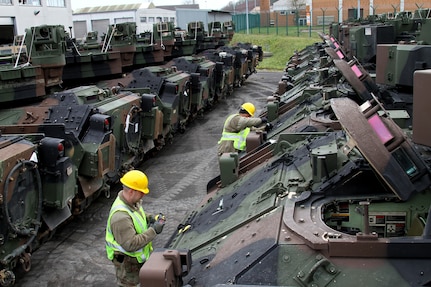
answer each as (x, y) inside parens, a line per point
(289, 23)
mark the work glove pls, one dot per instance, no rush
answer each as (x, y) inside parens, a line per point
(268, 127)
(158, 226)
(264, 120)
(150, 219)
(159, 223)
(159, 217)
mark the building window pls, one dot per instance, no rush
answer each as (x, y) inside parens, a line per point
(172, 19)
(6, 2)
(151, 19)
(55, 3)
(159, 19)
(165, 19)
(352, 13)
(30, 2)
(143, 19)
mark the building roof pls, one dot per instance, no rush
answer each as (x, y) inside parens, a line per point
(184, 6)
(129, 7)
(108, 8)
(283, 5)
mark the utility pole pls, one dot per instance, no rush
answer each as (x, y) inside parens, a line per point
(246, 14)
(359, 9)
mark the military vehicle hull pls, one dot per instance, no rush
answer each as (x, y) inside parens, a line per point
(361, 39)
(92, 65)
(21, 82)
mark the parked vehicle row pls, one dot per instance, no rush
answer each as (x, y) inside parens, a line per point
(62, 148)
(336, 193)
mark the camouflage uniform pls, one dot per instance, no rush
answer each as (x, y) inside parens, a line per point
(127, 267)
(127, 271)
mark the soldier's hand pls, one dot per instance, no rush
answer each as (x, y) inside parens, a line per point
(268, 127)
(160, 217)
(151, 219)
(158, 226)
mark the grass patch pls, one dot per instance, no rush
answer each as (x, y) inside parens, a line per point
(280, 46)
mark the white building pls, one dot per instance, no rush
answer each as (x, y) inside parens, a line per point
(185, 16)
(148, 17)
(101, 17)
(144, 15)
(18, 15)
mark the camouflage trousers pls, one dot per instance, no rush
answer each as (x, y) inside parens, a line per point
(127, 270)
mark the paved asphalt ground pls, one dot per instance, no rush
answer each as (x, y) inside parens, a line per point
(178, 175)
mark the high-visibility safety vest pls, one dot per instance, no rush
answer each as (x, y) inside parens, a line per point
(239, 138)
(140, 223)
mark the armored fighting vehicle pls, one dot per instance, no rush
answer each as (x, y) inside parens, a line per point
(204, 41)
(335, 191)
(47, 47)
(224, 71)
(215, 29)
(21, 81)
(90, 61)
(164, 36)
(203, 95)
(122, 37)
(185, 44)
(36, 68)
(361, 39)
(229, 29)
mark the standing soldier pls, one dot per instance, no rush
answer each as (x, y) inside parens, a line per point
(129, 231)
(236, 129)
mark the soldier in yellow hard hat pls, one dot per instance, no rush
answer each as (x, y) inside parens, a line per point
(236, 129)
(129, 230)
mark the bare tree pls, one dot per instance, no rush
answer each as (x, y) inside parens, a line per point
(298, 5)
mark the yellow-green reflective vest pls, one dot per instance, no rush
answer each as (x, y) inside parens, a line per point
(239, 138)
(140, 223)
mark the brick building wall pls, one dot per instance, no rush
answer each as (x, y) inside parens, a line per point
(350, 7)
(327, 11)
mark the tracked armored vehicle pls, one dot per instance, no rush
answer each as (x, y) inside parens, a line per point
(361, 39)
(313, 209)
(334, 192)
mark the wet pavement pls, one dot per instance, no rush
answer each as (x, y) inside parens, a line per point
(178, 175)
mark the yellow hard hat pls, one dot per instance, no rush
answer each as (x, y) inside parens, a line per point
(136, 180)
(249, 107)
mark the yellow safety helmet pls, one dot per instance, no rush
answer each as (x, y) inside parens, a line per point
(137, 180)
(249, 108)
